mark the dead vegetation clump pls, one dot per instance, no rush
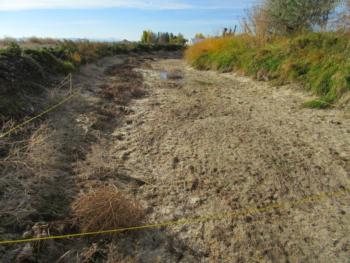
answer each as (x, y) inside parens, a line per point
(104, 209)
(127, 84)
(122, 93)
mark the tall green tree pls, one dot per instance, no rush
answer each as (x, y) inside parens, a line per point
(199, 35)
(290, 16)
(148, 37)
(163, 38)
(181, 39)
(178, 40)
(144, 37)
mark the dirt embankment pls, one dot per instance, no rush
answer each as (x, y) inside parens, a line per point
(45, 167)
(192, 144)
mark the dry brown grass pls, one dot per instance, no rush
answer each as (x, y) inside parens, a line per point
(98, 164)
(122, 93)
(128, 85)
(25, 152)
(258, 23)
(104, 209)
(114, 255)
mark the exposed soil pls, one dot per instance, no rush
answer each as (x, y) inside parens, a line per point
(184, 143)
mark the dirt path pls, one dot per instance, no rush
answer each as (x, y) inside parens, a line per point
(195, 144)
(240, 144)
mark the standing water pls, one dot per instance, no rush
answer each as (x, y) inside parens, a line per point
(164, 75)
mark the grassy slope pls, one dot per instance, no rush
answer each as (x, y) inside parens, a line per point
(26, 71)
(320, 61)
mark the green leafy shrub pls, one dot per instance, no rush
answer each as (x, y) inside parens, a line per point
(68, 67)
(49, 62)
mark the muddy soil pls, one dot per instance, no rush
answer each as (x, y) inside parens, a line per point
(190, 144)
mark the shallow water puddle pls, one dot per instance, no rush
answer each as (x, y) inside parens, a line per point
(164, 75)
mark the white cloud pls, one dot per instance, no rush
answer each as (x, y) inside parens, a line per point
(14, 5)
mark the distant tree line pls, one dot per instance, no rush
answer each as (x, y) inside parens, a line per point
(163, 38)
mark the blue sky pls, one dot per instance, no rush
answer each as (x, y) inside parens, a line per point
(116, 18)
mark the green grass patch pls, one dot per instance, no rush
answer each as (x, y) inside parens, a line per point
(320, 61)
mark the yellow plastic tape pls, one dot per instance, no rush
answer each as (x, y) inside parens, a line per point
(230, 214)
(37, 116)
